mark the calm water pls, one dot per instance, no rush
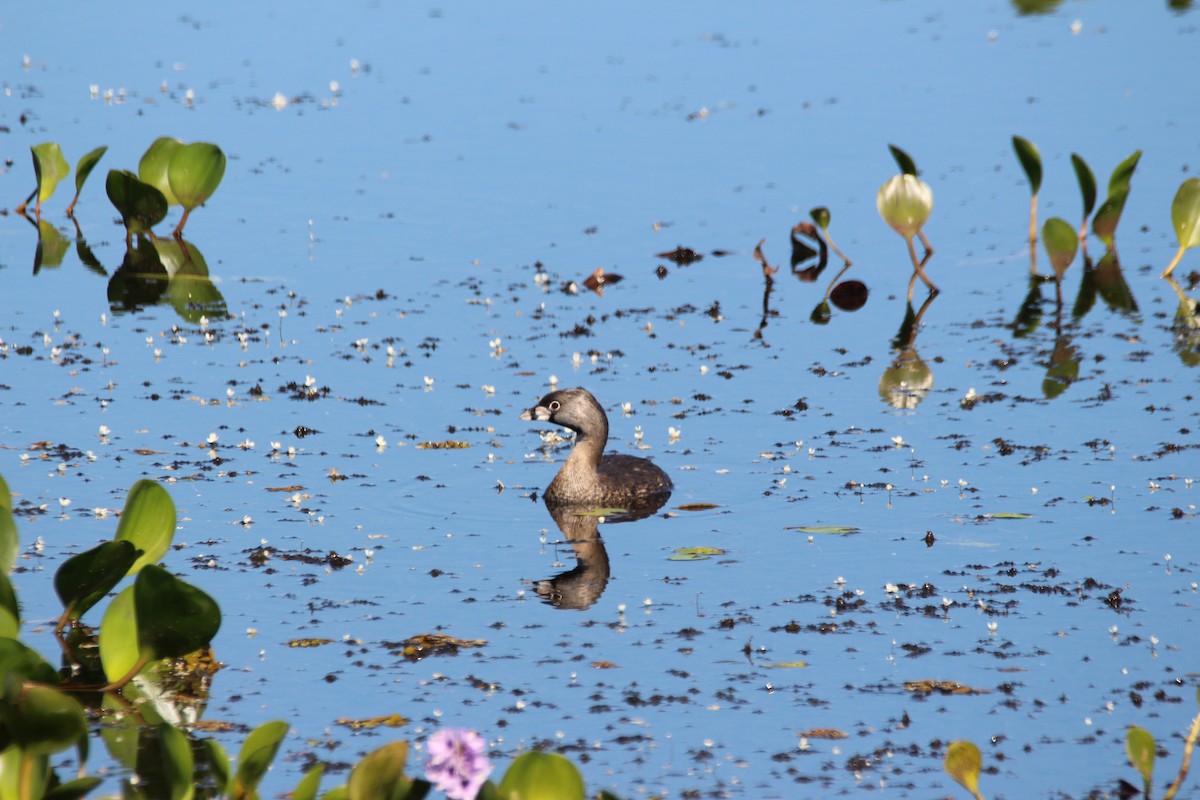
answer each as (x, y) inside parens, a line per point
(432, 182)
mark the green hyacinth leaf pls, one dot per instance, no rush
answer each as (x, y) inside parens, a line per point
(1087, 183)
(256, 755)
(380, 774)
(1118, 183)
(50, 166)
(156, 162)
(821, 216)
(1062, 242)
(1185, 213)
(1104, 224)
(45, 721)
(903, 160)
(905, 203)
(140, 204)
(9, 541)
(19, 660)
(1031, 161)
(195, 173)
(542, 776)
(963, 763)
(218, 765)
(10, 612)
(85, 166)
(174, 618)
(177, 762)
(73, 790)
(1139, 746)
(119, 636)
(85, 578)
(307, 788)
(148, 521)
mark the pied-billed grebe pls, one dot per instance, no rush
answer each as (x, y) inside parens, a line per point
(589, 477)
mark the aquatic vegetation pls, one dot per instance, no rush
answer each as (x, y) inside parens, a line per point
(1061, 243)
(169, 173)
(1087, 188)
(905, 203)
(1185, 218)
(821, 216)
(1104, 223)
(50, 167)
(1031, 162)
(963, 762)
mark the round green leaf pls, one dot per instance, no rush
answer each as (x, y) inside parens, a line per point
(1139, 746)
(542, 776)
(50, 167)
(45, 721)
(380, 774)
(1185, 213)
(1062, 242)
(174, 618)
(156, 161)
(177, 762)
(694, 553)
(963, 763)
(19, 660)
(1087, 183)
(905, 202)
(86, 164)
(148, 521)
(84, 578)
(119, 636)
(835, 530)
(1031, 161)
(195, 173)
(141, 205)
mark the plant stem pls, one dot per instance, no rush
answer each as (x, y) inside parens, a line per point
(25, 779)
(128, 676)
(920, 270)
(178, 232)
(1033, 236)
(1188, 746)
(1167, 272)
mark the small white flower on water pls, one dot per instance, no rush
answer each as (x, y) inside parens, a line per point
(229, 393)
(428, 381)
(104, 431)
(891, 588)
(64, 501)
(282, 313)
(212, 438)
(992, 626)
(246, 521)
(627, 408)
(647, 602)
(100, 513)
(970, 394)
(898, 441)
(1154, 486)
(279, 101)
(246, 444)
(553, 380)
(1113, 630)
(24, 458)
(380, 442)
(203, 322)
(962, 482)
(1076, 27)
(673, 433)
(637, 432)
(275, 445)
(704, 369)
(309, 381)
(487, 387)
(291, 451)
(1153, 641)
(839, 581)
(91, 456)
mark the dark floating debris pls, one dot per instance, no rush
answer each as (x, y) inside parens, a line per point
(849, 295)
(599, 279)
(681, 255)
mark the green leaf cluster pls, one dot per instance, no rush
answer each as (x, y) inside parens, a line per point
(170, 173)
(50, 167)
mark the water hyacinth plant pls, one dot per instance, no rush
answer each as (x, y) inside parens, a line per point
(50, 167)
(457, 762)
(905, 203)
(169, 173)
(1031, 162)
(1104, 224)
(1185, 218)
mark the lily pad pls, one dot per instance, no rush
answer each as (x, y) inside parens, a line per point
(695, 553)
(824, 530)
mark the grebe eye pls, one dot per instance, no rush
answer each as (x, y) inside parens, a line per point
(554, 405)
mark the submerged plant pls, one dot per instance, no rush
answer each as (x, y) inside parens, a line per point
(1185, 218)
(905, 203)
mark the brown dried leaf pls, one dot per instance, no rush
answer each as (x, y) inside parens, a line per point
(448, 444)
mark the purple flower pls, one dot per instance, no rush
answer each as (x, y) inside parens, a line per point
(457, 764)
